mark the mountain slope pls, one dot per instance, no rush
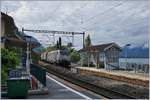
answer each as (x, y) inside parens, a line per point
(137, 52)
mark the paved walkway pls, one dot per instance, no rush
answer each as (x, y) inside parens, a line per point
(58, 90)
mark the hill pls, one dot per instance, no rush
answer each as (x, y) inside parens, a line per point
(137, 52)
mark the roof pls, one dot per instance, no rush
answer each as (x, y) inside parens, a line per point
(19, 42)
(8, 19)
(101, 47)
(5, 16)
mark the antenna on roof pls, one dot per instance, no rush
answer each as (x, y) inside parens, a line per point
(6, 8)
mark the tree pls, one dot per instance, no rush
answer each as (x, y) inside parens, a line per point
(88, 41)
(57, 45)
(84, 55)
(75, 56)
(60, 42)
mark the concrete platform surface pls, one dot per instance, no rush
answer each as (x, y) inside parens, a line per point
(119, 73)
(123, 76)
(58, 90)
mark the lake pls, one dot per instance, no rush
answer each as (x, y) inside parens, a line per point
(135, 60)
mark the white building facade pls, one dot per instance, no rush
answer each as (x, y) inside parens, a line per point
(101, 56)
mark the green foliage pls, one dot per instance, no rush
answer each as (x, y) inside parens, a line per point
(3, 77)
(59, 43)
(10, 59)
(84, 59)
(35, 58)
(69, 45)
(51, 48)
(74, 55)
(71, 50)
(88, 41)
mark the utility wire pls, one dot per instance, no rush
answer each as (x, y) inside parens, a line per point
(103, 13)
(102, 24)
(75, 11)
(55, 10)
(116, 20)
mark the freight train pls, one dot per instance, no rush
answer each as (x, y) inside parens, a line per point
(58, 57)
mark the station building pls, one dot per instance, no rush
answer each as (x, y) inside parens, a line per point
(8, 29)
(101, 56)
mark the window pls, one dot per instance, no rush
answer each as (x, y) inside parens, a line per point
(64, 52)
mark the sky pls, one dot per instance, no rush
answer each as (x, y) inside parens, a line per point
(121, 22)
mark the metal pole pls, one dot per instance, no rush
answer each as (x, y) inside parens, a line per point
(126, 53)
(27, 60)
(126, 56)
(30, 50)
(83, 39)
(22, 31)
(72, 39)
(53, 38)
(88, 59)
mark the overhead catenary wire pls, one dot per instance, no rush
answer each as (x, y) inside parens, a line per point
(115, 20)
(55, 10)
(92, 16)
(75, 11)
(102, 13)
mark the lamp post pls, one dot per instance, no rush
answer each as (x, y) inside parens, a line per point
(28, 53)
(127, 45)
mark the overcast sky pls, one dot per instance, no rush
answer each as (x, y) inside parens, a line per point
(106, 21)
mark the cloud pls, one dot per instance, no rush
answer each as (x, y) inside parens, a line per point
(106, 21)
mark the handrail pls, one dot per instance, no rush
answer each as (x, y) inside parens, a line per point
(112, 65)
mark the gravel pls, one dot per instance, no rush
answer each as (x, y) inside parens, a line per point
(139, 92)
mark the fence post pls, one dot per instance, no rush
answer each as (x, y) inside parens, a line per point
(135, 68)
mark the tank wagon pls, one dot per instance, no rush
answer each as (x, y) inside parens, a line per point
(58, 57)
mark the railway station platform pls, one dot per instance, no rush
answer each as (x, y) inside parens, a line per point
(119, 75)
(57, 90)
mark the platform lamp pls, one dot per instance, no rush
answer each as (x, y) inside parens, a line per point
(28, 52)
(127, 45)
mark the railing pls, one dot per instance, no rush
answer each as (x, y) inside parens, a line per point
(39, 73)
(137, 68)
(113, 66)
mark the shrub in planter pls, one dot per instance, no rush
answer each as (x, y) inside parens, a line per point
(3, 77)
(9, 61)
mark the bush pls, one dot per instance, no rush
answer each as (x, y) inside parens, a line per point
(3, 77)
(10, 59)
(75, 56)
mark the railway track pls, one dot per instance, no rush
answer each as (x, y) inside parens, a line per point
(110, 94)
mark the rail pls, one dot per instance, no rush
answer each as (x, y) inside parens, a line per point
(111, 94)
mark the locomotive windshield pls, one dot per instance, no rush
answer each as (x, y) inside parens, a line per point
(64, 52)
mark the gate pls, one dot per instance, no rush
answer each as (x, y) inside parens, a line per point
(39, 73)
